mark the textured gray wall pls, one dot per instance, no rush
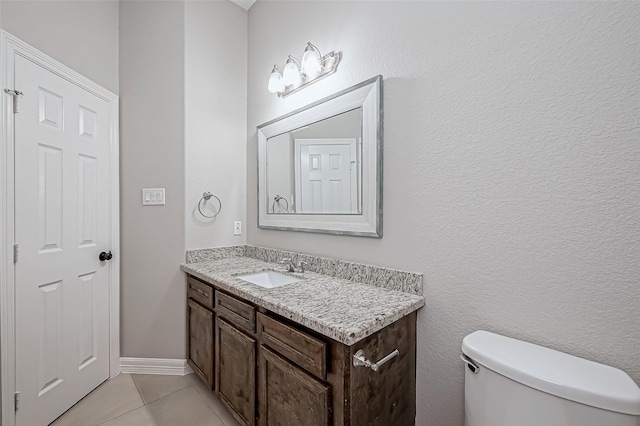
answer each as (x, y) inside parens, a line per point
(183, 126)
(81, 35)
(215, 119)
(152, 155)
(511, 175)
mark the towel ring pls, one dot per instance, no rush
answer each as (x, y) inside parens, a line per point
(206, 197)
(276, 200)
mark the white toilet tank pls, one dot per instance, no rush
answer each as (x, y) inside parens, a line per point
(521, 384)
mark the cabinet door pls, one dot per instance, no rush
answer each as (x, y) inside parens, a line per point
(387, 396)
(289, 396)
(200, 341)
(235, 371)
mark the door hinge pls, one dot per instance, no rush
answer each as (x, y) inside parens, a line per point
(16, 99)
(15, 253)
(16, 399)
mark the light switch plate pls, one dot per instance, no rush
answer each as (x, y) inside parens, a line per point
(153, 197)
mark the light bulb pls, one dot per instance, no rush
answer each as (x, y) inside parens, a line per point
(311, 67)
(276, 84)
(291, 73)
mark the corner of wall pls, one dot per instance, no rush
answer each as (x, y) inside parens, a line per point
(215, 121)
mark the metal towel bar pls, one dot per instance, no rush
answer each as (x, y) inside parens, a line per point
(360, 360)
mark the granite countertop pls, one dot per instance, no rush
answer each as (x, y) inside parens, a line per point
(344, 310)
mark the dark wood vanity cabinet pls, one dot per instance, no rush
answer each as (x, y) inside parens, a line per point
(292, 372)
(388, 396)
(270, 371)
(288, 395)
(235, 363)
(221, 347)
(200, 341)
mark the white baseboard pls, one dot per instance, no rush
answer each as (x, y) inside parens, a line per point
(168, 367)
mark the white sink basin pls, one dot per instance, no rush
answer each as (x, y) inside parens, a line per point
(269, 279)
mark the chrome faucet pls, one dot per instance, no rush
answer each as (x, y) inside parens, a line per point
(292, 266)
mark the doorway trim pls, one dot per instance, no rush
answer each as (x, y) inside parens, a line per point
(9, 47)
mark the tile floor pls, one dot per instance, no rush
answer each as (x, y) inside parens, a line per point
(149, 400)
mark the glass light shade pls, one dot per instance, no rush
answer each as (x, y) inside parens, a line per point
(329, 61)
(276, 83)
(311, 63)
(291, 74)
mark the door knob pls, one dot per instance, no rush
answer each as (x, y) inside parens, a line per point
(105, 256)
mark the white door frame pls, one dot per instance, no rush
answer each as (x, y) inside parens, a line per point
(9, 47)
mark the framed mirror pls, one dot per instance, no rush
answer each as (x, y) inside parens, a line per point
(320, 167)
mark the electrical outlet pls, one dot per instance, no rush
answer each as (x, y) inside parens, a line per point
(237, 228)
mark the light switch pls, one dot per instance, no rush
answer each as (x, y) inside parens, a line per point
(153, 197)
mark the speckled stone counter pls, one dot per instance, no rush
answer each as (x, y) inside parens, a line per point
(392, 279)
(344, 310)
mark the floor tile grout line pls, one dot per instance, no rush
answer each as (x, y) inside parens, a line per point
(137, 389)
(130, 411)
(81, 399)
(158, 399)
(188, 386)
(169, 394)
(204, 397)
(134, 409)
(120, 415)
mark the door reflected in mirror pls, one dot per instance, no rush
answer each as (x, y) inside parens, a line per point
(320, 167)
(317, 168)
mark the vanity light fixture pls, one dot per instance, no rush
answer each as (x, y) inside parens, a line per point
(276, 83)
(298, 74)
(291, 74)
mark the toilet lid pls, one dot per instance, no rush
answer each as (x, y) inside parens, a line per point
(554, 372)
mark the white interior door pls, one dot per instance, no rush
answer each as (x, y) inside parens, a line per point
(327, 179)
(62, 193)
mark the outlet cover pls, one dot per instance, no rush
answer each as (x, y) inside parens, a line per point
(153, 197)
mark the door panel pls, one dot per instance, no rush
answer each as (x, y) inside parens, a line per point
(289, 396)
(50, 336)
(50, 198)
(235, 371)
(88, 188)
(62, 204)
(87, 336)
(200, 340)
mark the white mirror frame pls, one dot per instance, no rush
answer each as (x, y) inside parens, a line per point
(367, 95)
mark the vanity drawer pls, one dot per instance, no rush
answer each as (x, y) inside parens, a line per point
(299, 347)
(237, 312)
(200, 292)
